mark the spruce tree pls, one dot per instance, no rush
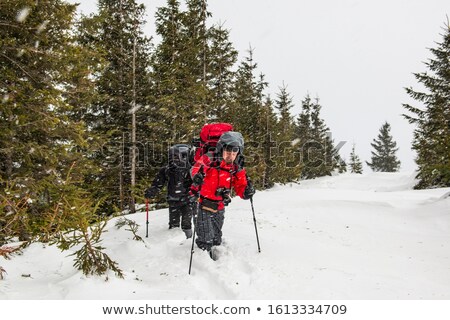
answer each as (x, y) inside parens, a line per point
(342, 166)
(355, 165)
(318, 155)
(45, 146)
(249, 114)
(383, 157)
(221, 59)
(124, 86)
(45, 77)
(287, 164)
(432, 118)
(179, 70)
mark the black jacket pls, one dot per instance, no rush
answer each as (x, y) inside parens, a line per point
(178, 182)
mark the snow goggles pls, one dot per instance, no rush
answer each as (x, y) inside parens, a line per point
(231, 149)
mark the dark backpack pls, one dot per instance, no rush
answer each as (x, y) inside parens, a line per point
(179, 155)
(209, 136)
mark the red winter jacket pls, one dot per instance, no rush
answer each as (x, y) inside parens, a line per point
(219, 177)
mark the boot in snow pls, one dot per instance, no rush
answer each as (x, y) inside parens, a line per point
(188, 233)
(213, 254)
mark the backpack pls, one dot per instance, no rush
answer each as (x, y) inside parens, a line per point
(179, 155)
(209, 136)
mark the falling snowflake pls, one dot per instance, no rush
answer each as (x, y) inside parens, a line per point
(42, 26)
(134, 109)
(295, 142)
(23, 14)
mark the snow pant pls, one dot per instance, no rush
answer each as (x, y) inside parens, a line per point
(209, 228)
(176, 212)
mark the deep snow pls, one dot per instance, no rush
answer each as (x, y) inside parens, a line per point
(345, 237)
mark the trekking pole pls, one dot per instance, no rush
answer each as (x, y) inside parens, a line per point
(146, 206)
(254, 221)
(193, 239)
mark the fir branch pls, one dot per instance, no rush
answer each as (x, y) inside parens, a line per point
(133, 227)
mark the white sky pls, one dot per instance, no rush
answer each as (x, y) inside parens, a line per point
(355, 55)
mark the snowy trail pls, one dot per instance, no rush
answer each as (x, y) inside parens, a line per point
(344, 237)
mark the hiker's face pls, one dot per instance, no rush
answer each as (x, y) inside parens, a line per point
(230, 154)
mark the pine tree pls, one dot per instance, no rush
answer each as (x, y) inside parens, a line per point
(249, 113)
(45, 77)
(124, 85)
(342, 166)
(221, 59)
(196, 57)
(432, 133)
(355, 165)
(180, 70)
(383, 158)
(287, 164)
(318, 155)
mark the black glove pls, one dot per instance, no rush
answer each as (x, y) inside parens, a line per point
(192, 198)
(197, 180)
(226, 197)
(150, 193)
(249, 190)
(240, 161)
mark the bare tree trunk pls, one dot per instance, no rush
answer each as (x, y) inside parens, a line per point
(121, 173)
(133, 133)
(204, 60)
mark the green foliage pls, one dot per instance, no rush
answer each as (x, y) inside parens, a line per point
(42, 67)
(432, 118)
(133, 227)
(355, 165)
(90, 258)
(123, 86)
(383, 157)
(318, 155)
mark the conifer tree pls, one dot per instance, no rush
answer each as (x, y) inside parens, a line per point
(221, 59)
(318, 155)
(287, 164)
(179, 69)
(265, 149)
(196, 55)
(383, 157)
(123, 86)
(248, 114)
(432, 118)
(44, 76)
(355, 165)
(342, 166)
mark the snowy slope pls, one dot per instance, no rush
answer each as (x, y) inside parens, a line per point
(345, 237)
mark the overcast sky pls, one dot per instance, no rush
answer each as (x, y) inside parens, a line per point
(356, 56)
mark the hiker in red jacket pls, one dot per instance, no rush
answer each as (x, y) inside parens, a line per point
(214, 176)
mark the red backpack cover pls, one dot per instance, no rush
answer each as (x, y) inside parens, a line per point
(209, 135)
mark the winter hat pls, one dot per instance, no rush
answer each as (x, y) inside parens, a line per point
(230, 138)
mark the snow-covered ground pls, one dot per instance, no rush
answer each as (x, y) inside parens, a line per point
(346, 237)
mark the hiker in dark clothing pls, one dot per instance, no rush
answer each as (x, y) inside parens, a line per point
(177, 176)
